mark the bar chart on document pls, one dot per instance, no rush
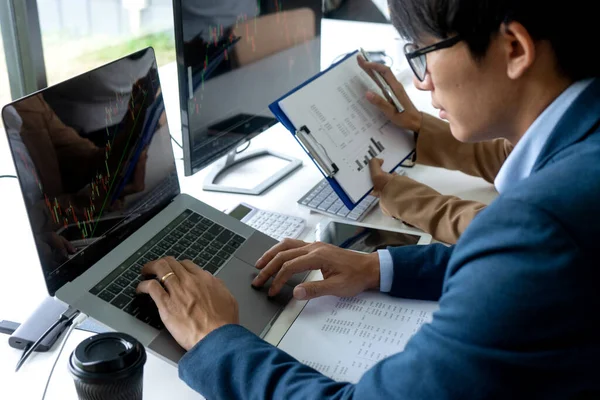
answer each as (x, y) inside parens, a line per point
(375, 148)
(349, 130)
(344, 337)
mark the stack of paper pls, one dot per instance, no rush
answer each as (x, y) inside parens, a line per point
(344, 337)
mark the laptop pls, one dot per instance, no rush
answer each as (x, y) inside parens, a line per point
(104, 200)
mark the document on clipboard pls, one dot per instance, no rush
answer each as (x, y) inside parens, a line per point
(341, 131)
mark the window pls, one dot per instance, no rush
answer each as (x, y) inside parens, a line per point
(79, 35)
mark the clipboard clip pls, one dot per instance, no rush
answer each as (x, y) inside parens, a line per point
(321, 158)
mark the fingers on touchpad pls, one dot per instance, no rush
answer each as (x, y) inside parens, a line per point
(284, 294)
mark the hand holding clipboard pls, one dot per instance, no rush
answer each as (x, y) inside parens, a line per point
(398, 107)
(341, 130)
(387, 90)
(406, 116)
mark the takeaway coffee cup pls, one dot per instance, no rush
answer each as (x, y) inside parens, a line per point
(108, 366)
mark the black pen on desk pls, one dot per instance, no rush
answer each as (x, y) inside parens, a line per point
(385, 87)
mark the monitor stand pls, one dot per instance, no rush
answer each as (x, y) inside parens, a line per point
(231, 160)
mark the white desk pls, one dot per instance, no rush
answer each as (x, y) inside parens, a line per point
(22, 283)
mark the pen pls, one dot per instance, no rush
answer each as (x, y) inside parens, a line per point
(384, 85)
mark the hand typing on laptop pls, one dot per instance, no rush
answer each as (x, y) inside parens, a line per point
(345, 272)
(74, 181)
(192, 302)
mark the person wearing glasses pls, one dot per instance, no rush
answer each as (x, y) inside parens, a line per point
(444, 217)
(518, 295)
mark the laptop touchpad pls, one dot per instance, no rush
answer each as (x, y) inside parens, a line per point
(253, 249)
(256, 308)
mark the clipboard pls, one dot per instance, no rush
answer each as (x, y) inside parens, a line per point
(312, 148)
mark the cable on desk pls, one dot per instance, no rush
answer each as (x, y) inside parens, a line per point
(80, 318)
(8, 176)
(68, 316)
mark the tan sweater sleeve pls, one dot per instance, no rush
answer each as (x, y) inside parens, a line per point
(437, 147)
(444, 217)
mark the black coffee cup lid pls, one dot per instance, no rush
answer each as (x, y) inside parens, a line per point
(107, 354)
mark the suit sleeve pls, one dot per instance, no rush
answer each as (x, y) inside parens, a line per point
(419, 271)
(483, 342)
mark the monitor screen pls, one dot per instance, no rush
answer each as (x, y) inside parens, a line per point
(94, 161)
(234, 58)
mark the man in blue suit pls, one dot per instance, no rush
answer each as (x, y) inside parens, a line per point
(518, 294)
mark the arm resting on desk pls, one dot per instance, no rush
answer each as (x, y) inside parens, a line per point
(496, 335)
(247, 367)
(419, 271)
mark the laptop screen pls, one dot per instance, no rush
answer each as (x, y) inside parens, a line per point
(94, 160)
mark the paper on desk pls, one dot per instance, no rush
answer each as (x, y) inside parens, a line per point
(344, 337)
(349, 129)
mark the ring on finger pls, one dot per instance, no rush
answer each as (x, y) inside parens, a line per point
(165, 277)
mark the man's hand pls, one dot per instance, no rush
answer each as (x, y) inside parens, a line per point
(345, 272)
(411, 117)
(192, 303)
(379, 177)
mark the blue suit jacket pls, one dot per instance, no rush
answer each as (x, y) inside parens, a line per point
(519, 300)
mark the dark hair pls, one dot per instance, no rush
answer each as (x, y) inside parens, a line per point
(569, 26)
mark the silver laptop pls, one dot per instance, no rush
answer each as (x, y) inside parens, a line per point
(94, 159)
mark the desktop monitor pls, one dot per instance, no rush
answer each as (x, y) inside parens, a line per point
(235, 57)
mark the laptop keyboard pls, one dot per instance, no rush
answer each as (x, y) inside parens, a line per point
(188, 237)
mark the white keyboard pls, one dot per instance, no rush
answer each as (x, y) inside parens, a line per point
(278, 226)
(322, 198)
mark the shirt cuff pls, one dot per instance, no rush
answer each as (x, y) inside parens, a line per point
(386, 270)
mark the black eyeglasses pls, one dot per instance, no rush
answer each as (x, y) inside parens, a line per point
(416, 57)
